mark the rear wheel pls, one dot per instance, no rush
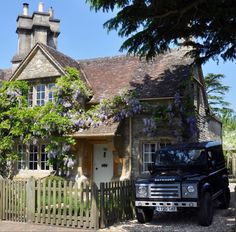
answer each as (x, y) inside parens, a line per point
(205, 213)
(224, 199)
(144, 214)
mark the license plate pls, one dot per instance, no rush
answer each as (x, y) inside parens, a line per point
(166, 209)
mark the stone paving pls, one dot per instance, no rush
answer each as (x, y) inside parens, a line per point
(24, 227)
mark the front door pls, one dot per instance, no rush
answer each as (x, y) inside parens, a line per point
(102, 163)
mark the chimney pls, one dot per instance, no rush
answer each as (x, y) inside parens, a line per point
(25, 9)
(51, 13)
(39, 27)
(40, 7)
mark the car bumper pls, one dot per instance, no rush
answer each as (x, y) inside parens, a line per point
(166, 203)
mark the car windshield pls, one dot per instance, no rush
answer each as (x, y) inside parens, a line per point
(179, 157)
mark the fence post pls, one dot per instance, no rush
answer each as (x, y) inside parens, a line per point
(30, 197)
(94, 207)
(1, 200)
(235, 204)
(102, 210)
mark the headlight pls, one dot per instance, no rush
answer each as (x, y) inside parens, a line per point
(141, 191)
(189, 190)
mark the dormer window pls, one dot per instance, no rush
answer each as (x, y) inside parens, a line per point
(40, 94)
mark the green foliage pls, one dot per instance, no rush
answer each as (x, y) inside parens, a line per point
(153, 26)
(229, 131)
(179, 115)
(216, 93)
(54, 121)
(51, 122)
(54, 179)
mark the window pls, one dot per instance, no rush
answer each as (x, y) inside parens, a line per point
(30, 96)
(44, 158)
(21, 164)
(50, 92)
(40, 97)
(40, 94)
(149, 150)
(32, 157)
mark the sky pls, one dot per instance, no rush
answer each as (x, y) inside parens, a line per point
(83, 36)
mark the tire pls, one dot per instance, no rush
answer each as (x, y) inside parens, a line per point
(224, 199)
(144, 215)
(205, 213)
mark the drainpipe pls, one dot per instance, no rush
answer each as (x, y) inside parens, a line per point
(130, 146)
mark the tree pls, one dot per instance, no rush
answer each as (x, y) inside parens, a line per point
(153, 26)
(216, 92)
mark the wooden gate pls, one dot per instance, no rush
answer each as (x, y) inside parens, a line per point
(13, 200)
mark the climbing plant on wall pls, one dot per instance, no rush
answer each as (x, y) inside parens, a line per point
(179, 114)
(56, 121)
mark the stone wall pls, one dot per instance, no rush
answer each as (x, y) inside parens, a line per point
(138, 138)
(39, 67)
(209, 127)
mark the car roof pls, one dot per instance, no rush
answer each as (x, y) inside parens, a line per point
(197, 145)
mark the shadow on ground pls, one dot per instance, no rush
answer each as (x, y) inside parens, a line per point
(224, 221)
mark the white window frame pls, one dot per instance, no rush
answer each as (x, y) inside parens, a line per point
(22, 151)
(35, 156)
(50, 91)
(39, 97)
(43, 158)
(147, 154)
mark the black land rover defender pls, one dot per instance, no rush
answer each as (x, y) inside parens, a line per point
(184, 176)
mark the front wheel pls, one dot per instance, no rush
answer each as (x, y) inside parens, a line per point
(205, 213)
(144, 214)
(224, 199)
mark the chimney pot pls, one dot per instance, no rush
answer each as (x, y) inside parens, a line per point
(25, 9)
(40, 7)
(51, 12)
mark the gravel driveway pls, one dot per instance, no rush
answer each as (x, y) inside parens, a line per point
(224, 221)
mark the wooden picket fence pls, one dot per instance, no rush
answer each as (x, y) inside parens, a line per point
(13, 200)
(64, 203)
(231, 161)
(116, 202)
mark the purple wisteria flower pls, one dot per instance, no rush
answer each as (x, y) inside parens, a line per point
(52, 154)
(65, 147)
(177, 101)
(70, 163)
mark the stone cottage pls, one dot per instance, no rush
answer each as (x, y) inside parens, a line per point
(120, 150)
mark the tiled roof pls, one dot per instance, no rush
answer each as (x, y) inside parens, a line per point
(159, 78)
(5, 74)
(61, 58)
(102, 130)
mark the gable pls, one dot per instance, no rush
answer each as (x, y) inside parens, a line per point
(37, 66)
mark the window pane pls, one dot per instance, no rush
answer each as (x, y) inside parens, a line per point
(153, 147)
(148, 150)
(40, 100)
(33, 157)
(146, 147)
(21, 164)
(44, 158)
(30, 96)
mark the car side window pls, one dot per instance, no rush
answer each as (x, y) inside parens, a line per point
(209, 159)
(216, 156)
